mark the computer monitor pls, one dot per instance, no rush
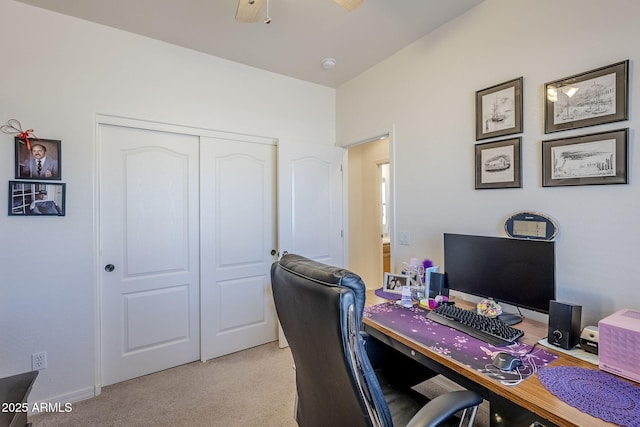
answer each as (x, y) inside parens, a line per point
(513, 271)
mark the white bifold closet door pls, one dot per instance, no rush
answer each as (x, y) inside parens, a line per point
(149, 251)
(238, 244)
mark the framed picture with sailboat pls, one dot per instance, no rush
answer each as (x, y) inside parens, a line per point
(499, 110)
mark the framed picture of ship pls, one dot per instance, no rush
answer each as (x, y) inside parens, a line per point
(498, 164)
(592, 98)
(499, 110)
(596, 158)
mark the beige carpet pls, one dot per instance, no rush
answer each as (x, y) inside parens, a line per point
(251, 387)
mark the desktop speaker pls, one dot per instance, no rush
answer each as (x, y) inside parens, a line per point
(564, 324)
(438, 285)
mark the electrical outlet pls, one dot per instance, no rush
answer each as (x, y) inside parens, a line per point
(39, 361)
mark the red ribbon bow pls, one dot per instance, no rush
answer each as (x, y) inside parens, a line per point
(15, 128)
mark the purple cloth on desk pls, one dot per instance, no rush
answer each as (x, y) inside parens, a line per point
(413, 324)
(387, 295)
(595, 392)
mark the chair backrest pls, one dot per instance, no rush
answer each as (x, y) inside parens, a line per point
(320, 310)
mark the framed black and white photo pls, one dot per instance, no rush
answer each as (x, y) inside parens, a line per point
(499, 110)
(597, 158)
(395, 282)
(498, 164)
(36, 198)
(592, 98)
(38, 159)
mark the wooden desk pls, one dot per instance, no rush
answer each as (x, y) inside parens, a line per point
(530, 394)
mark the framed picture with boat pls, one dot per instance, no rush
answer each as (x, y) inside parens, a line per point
(596, 158)
(596, 97)
(499, 110)
(498, 164)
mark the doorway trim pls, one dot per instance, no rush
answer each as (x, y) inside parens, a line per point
(391, 135)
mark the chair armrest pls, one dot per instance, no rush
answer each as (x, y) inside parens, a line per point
(444, 406)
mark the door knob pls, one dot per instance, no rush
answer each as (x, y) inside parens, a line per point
(109, 268)
(274, 252)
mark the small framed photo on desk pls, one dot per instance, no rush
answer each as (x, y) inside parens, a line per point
(395, 282)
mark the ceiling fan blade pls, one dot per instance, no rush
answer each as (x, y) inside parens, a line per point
(349, 4)
(248, 12)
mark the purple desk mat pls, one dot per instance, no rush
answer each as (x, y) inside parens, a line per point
(387, 295)
(413, 324)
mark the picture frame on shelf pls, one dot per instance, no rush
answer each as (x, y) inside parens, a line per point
(498, 164)
(587, 99)
(596, 158)
(30, 198)
(27, 155)
(499, 110)
(395, 282)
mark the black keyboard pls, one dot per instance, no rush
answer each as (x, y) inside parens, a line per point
(490, 330)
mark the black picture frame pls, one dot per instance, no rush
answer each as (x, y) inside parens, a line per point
(596, 158)
(587, 99)
(395, 282)
(43, 198)
(25, 159)
(498, 164)
(499, 110)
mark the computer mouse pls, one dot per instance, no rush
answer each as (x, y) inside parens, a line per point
(506, 362)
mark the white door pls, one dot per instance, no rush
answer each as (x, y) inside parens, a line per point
(238, 214)
(149, 251)
(310, 203)
(310, 200)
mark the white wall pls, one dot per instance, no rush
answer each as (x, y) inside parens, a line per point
(428, 90)
(57, 72)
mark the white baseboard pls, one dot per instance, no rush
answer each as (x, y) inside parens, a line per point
(58, 403)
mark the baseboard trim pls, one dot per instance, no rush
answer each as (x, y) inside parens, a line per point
(57, 403)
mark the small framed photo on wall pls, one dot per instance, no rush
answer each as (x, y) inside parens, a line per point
(498, 164)
(39, 159)
(499, 110)
(36, 198)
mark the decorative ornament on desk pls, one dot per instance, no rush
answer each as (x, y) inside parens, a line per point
(416, 272)
(13, 127)
(489, 308)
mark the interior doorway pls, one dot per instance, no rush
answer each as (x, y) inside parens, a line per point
(370, 210)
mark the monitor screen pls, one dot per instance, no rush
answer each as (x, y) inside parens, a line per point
(512, 271)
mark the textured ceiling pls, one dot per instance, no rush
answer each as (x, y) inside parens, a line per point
(301, 34)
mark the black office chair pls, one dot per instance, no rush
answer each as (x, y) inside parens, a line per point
(320, 309)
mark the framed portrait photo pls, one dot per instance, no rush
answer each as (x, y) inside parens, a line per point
(394, 282)
(499, 110)
(587, 99)
(597, 158)
(498, 164)
(39, 159)
(36, 198)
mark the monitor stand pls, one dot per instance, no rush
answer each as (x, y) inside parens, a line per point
(510, 318)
